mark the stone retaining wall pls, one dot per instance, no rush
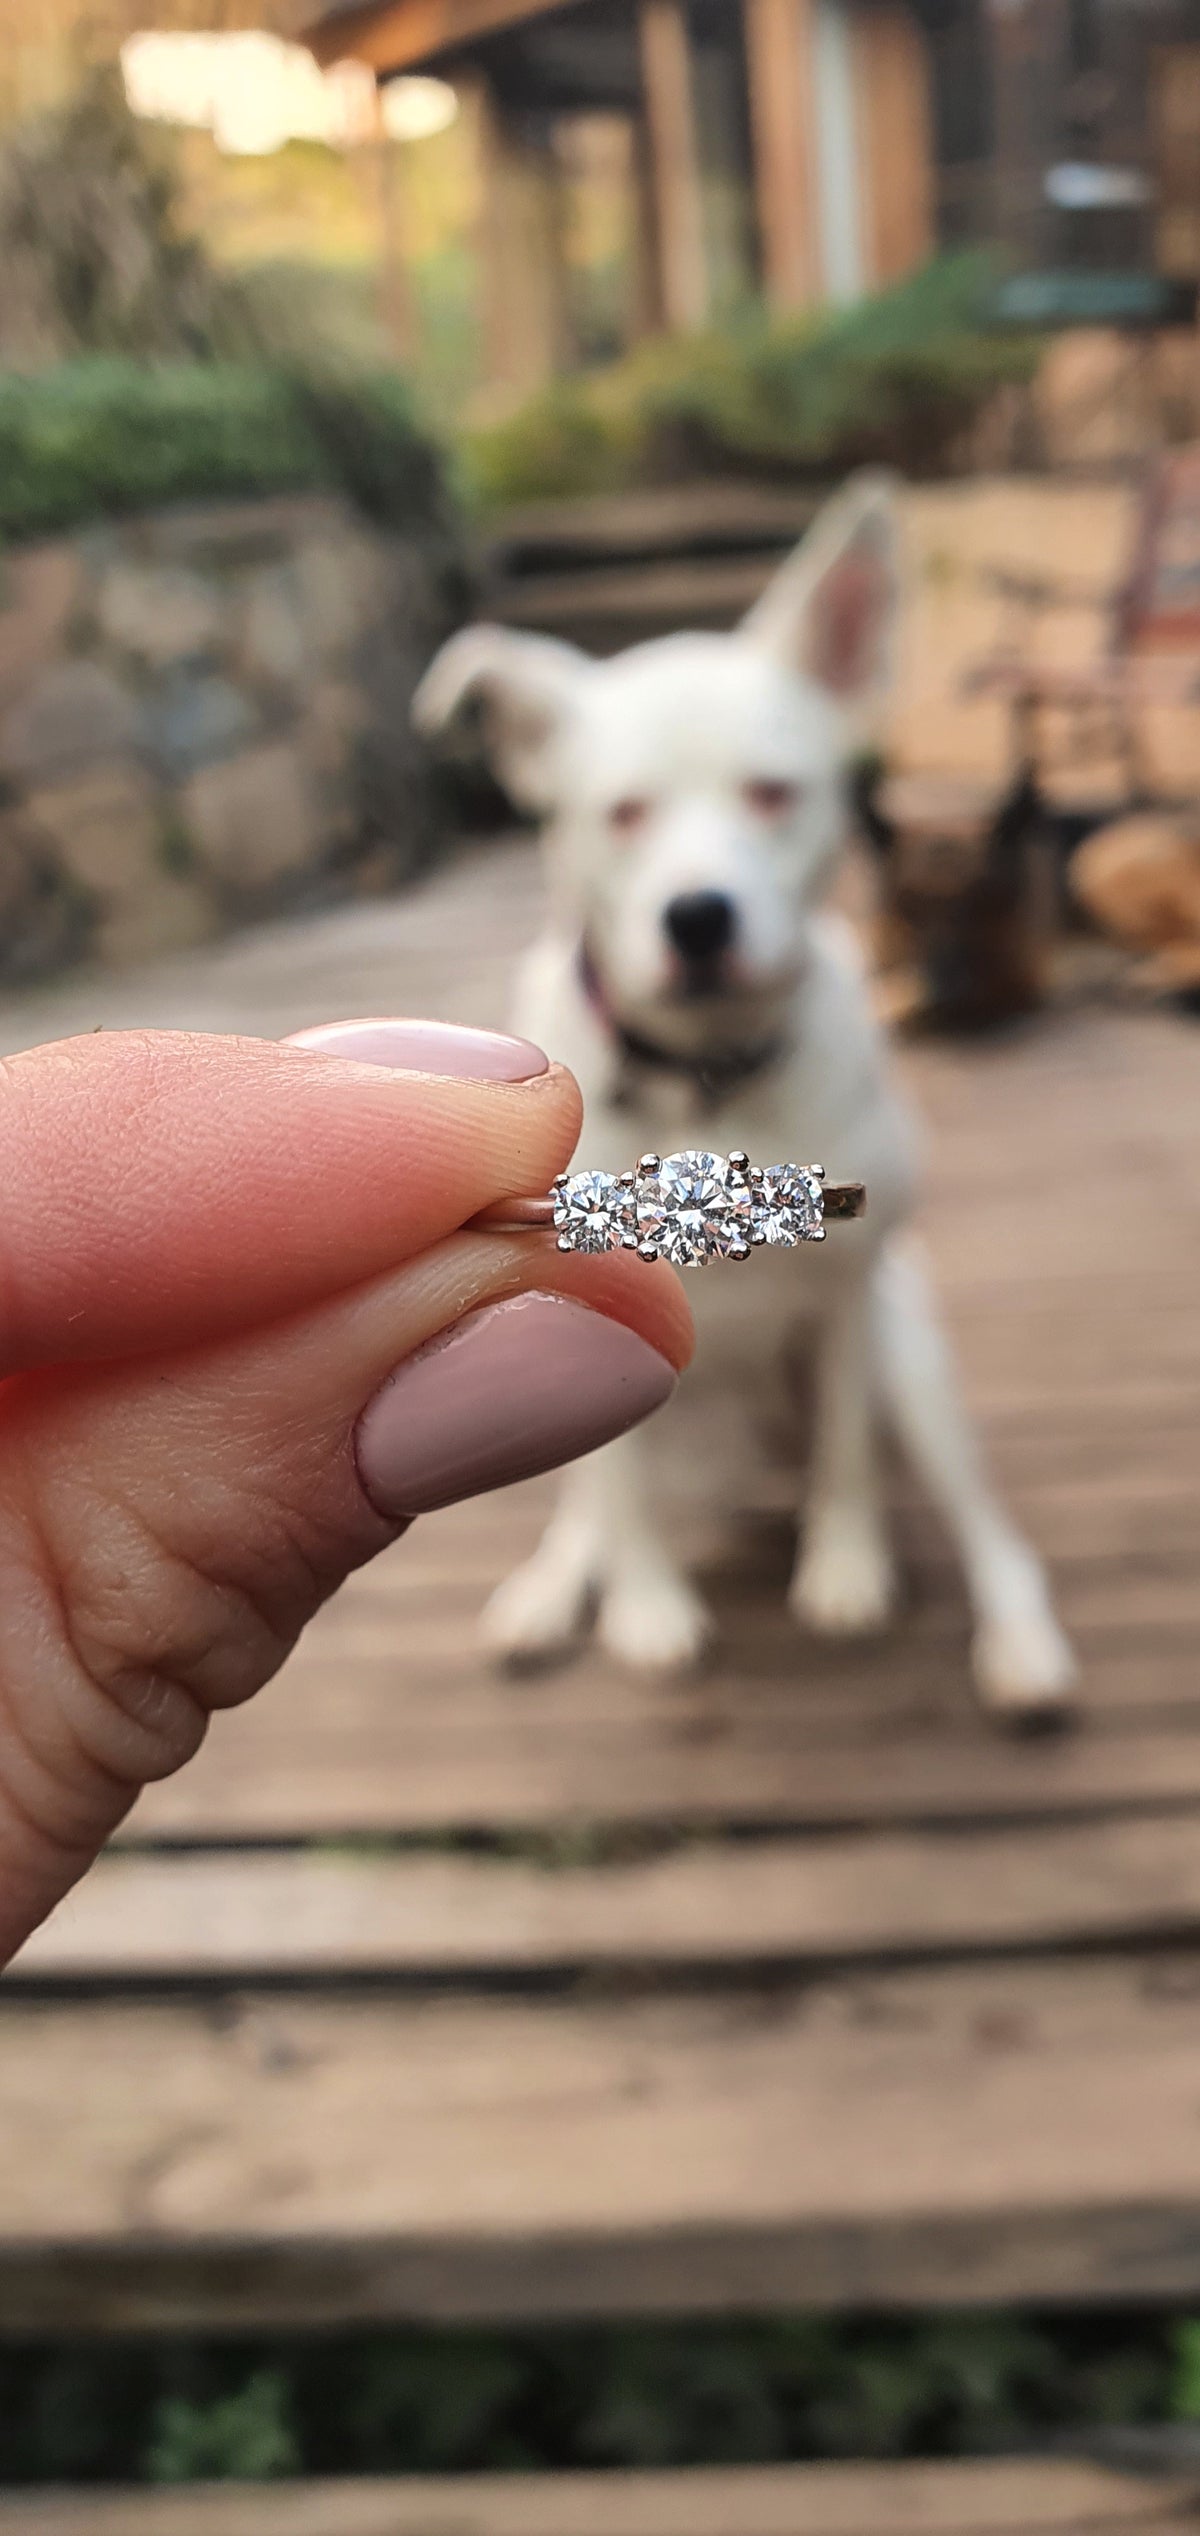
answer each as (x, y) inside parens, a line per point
(203, 719)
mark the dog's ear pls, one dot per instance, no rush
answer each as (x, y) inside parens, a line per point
(525, 686)
(830, 613)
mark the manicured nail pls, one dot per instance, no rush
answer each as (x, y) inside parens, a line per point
(510, 1390)
(427, 1047)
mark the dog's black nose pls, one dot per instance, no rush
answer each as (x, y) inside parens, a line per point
(701, 923)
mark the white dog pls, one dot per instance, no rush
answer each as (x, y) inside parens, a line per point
(692, 790)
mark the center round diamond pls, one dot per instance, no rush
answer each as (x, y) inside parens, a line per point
(693, 1209)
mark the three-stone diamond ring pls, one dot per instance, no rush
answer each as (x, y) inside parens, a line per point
(690, 1208)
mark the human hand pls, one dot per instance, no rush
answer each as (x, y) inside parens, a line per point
(222, 1263)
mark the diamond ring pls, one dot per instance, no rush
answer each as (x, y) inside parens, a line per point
(690, 1208)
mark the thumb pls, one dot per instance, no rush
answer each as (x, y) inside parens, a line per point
(169, 1524)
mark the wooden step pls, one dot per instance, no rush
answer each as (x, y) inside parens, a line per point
(721, 515)
(1022, 2129)
(710, 1906)
(604, 609)
(1020, 2498)
(618, 568)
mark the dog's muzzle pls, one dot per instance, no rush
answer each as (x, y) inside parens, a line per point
(691, 1208)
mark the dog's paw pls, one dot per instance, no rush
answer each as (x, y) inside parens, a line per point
(655, 1622)
(845, 1584)
(1024, 1667)
(537, 1611)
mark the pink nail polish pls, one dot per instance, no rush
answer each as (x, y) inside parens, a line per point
(510, 1390)
(427, 1047)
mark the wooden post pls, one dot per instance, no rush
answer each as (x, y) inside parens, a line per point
(781, 68)
(674, 164)
(524, 301)
(895, 141)
(1029, 63)
(396, 301)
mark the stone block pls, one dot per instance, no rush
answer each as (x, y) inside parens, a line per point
(254, 820)
(160, 613)
(334, 716)
(272, 643)
(164, 913)
(39, 592)
(342, 581)
(105, 825)
(45, 918)
(73, 715)
(194, 720)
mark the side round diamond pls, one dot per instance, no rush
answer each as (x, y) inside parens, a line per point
(789, 1205)
(593, 1212)
(694, 1209)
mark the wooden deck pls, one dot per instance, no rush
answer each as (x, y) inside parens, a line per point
(424, 1993)
(1017, 2499)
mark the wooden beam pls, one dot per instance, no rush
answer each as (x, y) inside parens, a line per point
(394, 35)
(895, 141)
(675, 164)
(780, 64)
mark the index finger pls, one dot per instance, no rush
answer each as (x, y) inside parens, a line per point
(165, 1187)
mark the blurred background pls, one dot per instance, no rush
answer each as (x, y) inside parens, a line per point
(582, 2103)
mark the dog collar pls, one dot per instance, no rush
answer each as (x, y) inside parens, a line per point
(715, 1074)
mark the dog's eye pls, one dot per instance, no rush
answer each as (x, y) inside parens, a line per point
(770, 795)
(628, 815)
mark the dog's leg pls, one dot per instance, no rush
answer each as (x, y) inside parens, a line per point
(540, 1607)
(649, 1614)
(844, 1579)
(601, 1540)
(1022, 1662)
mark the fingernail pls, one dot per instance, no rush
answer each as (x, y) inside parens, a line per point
(510, 1390)
(427, 1047)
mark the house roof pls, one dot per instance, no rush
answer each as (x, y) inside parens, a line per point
(398, 35)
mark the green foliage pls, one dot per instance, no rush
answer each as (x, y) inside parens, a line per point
(1185, 2375)
(695, 2393)
(246, 2435)
(896, 379)
(94, 439)
(98, 437)
(575, 437)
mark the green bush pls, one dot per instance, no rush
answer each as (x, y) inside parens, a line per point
(95, 439)
(242, 2436)
(896, 379)
(689, 2392)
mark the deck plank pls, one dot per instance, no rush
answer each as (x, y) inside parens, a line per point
(709, 1906)
(1027, 2128)
(1034, 2498)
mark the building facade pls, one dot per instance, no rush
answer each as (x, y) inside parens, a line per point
(802, 151)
